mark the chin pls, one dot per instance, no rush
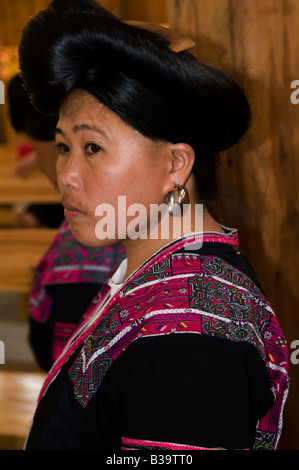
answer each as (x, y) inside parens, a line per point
(90, 240)
(95, 243)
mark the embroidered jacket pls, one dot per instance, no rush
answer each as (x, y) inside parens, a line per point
(179, 291)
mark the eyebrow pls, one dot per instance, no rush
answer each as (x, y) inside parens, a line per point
(83, 127)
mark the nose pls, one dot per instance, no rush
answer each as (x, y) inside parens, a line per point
(68, 174)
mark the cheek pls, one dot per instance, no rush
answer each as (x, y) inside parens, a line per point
(138, 183)
(59, 170)
(61, 187)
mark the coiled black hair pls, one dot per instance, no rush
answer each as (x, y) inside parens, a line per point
(24, 117)
(165, 95)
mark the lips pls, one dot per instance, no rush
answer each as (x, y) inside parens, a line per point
(71, 209)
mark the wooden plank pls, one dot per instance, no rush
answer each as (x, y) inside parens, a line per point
(18, 398)
(35, 188)
(152, 11)
(20, 252)
(7, 218)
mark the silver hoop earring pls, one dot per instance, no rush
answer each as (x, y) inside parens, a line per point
(175, 201)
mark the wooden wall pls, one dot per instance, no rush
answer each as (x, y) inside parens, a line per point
(13, 17)
(259, 40)
(154, 11)
(15, 14)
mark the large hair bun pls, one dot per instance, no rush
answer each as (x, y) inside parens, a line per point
(163, 94)
(24, 117)
(65, 6)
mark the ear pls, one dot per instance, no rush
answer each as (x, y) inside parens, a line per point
(182, 161)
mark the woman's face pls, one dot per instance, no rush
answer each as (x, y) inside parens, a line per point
(102, 158)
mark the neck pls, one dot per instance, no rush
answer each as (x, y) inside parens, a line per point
(139, 250)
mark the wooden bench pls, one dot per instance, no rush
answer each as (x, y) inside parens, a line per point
(35, 188)
(7, 217)
(20, 252)
(18, 398)
(21, 249)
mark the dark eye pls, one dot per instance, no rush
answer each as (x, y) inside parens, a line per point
(62, 148)
(91, 149)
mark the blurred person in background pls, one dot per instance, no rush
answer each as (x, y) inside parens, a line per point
(35, 152)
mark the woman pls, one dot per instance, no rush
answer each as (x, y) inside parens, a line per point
(183, 351)
(69, 275)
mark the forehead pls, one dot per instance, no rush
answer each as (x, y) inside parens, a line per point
(81, 110)
(82, 103)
